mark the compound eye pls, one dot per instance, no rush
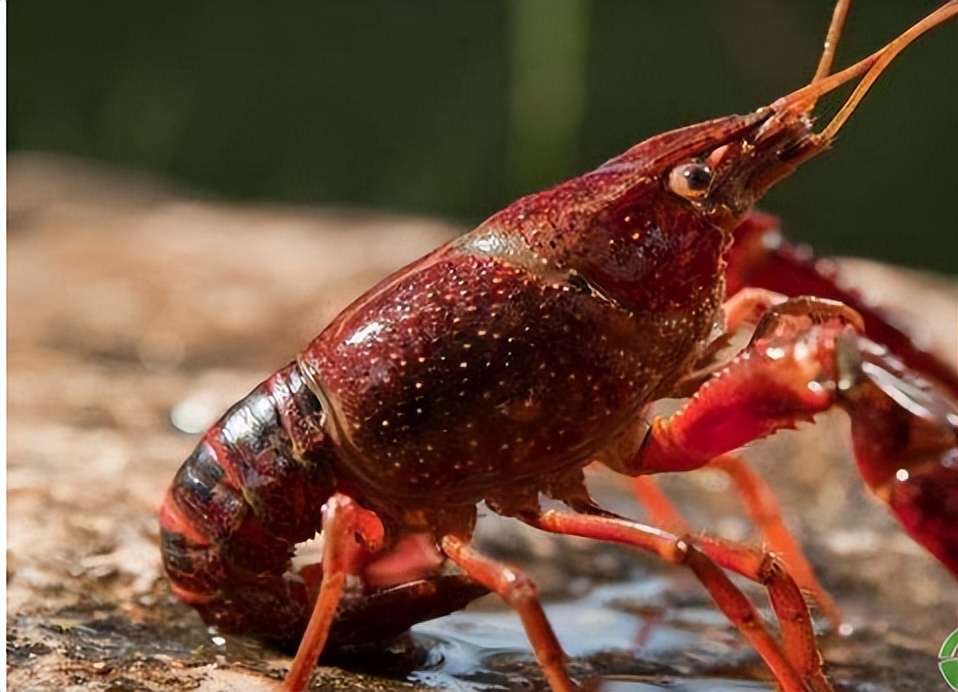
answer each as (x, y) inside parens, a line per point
(691, 180)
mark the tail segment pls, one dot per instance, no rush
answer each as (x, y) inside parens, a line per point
(252, 489)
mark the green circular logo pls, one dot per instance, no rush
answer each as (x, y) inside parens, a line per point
(948, 660)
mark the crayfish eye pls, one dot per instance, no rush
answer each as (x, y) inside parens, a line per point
(691, 180)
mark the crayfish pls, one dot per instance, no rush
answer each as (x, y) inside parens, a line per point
(500, 365)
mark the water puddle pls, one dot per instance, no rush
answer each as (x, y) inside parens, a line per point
(618, 643)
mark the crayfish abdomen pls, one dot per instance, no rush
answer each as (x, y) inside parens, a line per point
(252, 489)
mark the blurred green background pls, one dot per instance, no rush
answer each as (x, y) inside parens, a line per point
(453, 109)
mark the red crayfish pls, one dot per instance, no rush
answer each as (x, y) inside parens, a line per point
(501, 364)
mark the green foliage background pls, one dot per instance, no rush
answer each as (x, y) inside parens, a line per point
(455, 108)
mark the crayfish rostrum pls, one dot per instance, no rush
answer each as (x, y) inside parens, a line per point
(501, 364)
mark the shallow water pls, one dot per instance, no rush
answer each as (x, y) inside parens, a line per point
(622, 643)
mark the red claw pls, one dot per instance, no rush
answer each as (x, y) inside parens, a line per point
(905, 436)
(763, 257)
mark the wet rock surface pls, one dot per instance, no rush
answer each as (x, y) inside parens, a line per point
(131, 305)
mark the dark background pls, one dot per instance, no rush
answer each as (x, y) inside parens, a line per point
(453, 109)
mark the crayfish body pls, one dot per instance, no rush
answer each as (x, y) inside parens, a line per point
(495, 369)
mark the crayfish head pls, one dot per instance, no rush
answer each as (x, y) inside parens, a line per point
(728, 174)
(712, 173)
(718, 169)
(725, 179)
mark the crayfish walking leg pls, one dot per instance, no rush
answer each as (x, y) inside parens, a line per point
(797, 665)
(763, 510)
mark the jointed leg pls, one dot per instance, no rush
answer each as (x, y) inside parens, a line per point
(659, 508)
(761, 256)
(343, 520)
(765, 568)
(766, 310)
(789, 373)
(785, 596)
(747, 305)
(762, 508)
(520, 592)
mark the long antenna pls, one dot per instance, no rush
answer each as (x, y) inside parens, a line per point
(831, 40)
(942, 14)
(804, 99)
